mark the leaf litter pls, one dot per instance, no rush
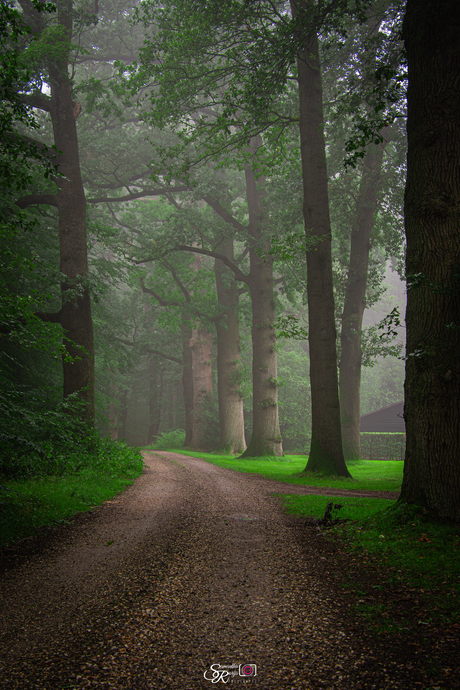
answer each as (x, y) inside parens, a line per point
(205, 569)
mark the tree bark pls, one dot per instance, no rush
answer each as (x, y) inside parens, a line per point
(266, 436)
(326, 455)
(123, 413)
(155, 375)
(113, 409)
(231, 416)
(355, 303)
(200, 346)
(75, 318)
(432, 217)
(187, 378)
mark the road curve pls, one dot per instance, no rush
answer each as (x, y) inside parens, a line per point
(192, 578)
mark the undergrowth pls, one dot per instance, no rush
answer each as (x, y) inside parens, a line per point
(79, 482)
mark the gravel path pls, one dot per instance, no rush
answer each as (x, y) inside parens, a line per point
(189, 578)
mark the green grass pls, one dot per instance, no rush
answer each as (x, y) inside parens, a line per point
(30, 503)
(405, 536)
(393, 548)
(352, 507)
(367, 475)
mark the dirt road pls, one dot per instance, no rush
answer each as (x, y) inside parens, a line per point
(192, 578)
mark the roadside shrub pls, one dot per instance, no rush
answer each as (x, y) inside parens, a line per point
(170, 439)
(42, 436)
(383, 446)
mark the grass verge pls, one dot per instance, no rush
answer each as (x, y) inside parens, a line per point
(368, 475)
(402, 566)
(30, 503)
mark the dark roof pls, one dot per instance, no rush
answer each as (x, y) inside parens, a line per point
(387, 419)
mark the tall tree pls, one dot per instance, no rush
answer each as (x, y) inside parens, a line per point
(431, 32)
(238, 62)
(231, 414)
(355, 303)
(266, 437)
(75, 312)
(326, 453)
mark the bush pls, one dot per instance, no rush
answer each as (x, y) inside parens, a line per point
(41, 436)
(170, 439)
(383, 446)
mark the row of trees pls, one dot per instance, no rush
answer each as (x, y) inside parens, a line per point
(234, 87)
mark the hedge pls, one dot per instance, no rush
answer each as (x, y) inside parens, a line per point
(383, 446)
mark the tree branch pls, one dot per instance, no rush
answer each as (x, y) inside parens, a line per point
(39, 146)
(162, 302)
(32, 199)
(52, 317)
(137, 195)
(162, 354)
(239, 275)
(149, 349)
(178, 282)
(224, 214)
(36, 100)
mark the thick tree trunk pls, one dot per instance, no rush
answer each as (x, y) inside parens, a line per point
(355, 303)
(187, 378)
(200, 346)
(231, 416)
(113, 409)
(155, 376)
(431, 32)
(123, 413)
(76, 306)
(266, 436)
(326, 455)
(174, 394)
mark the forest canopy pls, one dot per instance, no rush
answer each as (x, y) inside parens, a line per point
(204, 231)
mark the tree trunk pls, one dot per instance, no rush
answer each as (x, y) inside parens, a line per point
(355, 303)
(113, 409)
(231, 417)
(200, 346)
(174, 393)
(326, 455)
(187, 378)
(155, 374)
(75, 316)
(123, 413)
(266, 436)
(432, 218)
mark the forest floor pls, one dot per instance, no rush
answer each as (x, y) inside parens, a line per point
(188, 578)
